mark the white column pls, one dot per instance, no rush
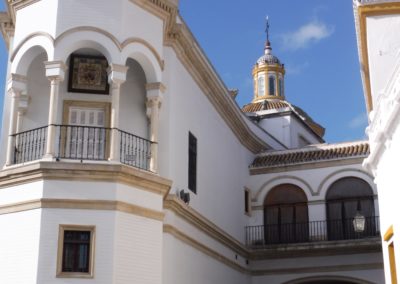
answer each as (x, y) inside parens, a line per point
(22, 108)
(55, 72)
(154, 100)
(116, 77)
(15, 86)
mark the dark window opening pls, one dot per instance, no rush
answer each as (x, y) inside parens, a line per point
(246, 201)
(192, 167)
(344, 199)
(76, 251)
(286, 215)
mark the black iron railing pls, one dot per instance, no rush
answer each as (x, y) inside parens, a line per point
(29, 145)
(82, 143)
(134, 150)
(330, 230)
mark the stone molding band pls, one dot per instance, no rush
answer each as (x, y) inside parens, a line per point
(42, 170)
(109, 205)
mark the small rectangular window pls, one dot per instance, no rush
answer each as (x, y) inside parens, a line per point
(192, 167)
(247, 201)
(75, 252)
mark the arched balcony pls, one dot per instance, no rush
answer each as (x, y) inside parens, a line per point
(350, 215)
(86, 109)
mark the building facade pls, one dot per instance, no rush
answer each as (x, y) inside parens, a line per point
(376, 26)
(125, 159)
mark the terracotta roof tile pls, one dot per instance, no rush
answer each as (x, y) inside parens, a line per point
(279, 104)
(265, 105)
(312, 153)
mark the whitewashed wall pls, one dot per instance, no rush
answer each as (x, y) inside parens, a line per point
(387, 178)
(184, 264)
(222, 162)
(19, 246)
(383, 50)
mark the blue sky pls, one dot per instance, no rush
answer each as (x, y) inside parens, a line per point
(315, 39)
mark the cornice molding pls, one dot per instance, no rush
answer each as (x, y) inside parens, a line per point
(361, 12)
(7, 27)
(42, 170)
(174, 204)
(169, 229)
(180, 235)
(197, 64)
(308, 166)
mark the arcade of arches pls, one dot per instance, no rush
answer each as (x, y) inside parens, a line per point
(286, 217)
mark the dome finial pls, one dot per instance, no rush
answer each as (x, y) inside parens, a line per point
(268, 43)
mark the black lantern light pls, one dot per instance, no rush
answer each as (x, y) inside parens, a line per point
(359, 220)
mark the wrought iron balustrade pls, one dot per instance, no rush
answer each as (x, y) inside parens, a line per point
(314, 231)
(82, 143)
(29, 145)
(134, 150)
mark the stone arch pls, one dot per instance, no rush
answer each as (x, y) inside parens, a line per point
(270, 184)
(333, 177)
(133, 98)
(346, 198)
(28, 50)
(328, 279)
(79, 38)
(147, 57)
(286, 215)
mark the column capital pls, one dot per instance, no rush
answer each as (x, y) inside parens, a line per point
(23, 102)
(156, 86)
(55, 70)
(16, 83)
(117, 73)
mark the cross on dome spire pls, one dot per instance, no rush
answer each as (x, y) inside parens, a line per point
(268, 43)
(267, 28)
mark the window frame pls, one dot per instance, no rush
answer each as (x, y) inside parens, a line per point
(60, 253)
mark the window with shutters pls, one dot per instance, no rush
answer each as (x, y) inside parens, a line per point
(192, 167)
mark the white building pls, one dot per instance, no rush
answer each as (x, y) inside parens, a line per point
(377, 23)
(125, 159)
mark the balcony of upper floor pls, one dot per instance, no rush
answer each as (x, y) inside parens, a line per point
(314, 237)
(83, 106)
(346, 221)
(82, 143)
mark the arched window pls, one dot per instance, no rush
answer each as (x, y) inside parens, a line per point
(271, 83)
(285, 215)
(261, 85)
(344, 199)
(281, 87)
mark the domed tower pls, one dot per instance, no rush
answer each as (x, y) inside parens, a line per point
(269, 109)
(268, 75)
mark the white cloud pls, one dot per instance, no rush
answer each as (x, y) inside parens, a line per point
(292, 69)
(358, 121)
(311, 32)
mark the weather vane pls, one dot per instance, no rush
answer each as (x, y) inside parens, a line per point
(267, 27)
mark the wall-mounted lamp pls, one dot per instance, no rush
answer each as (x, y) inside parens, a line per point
(185, 196)
(359, 220)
